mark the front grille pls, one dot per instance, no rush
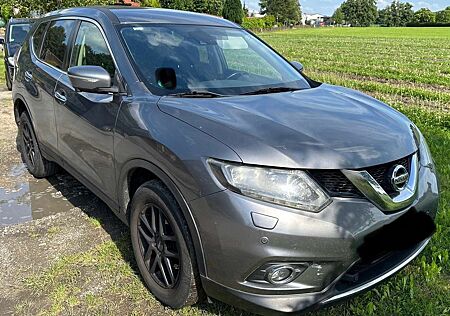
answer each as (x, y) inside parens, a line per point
(337, 184)
(381, 173)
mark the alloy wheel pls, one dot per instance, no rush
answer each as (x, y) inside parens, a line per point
(159, 246)
(28, 143)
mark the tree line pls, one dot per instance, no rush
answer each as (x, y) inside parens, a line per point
(286, 12)
(278, 12)
(365, 13)
(229, 9)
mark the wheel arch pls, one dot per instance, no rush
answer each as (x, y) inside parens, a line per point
(20, 106)
(147, 171)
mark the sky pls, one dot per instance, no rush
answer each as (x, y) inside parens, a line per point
(328, 6)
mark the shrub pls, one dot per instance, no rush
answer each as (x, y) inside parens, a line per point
(265, 23)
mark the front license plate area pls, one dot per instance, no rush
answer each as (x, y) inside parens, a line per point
(408, 230)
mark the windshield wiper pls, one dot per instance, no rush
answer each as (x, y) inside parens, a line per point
(197, 94)
(270, 90)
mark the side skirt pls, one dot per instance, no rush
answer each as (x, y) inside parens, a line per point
(113, 205)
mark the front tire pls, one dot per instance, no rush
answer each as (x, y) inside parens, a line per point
(163, 247)
(31, 154)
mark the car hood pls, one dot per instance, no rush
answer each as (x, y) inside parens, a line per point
(327, 127)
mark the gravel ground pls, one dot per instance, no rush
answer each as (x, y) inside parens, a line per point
(62, 250)
(53, 219)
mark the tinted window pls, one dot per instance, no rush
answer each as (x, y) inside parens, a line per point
(18, 32)
(56, 41)
(242, 58)
(90, 49)
(220, 60)
(37, 38)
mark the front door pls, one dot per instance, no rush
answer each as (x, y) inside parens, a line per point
(86, 120)
(41, 74)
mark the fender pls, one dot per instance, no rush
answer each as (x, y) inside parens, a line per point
(20, 97)
(46, 152)
(166, 179)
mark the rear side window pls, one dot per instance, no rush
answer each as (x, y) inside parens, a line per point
(90, 49)
(56, 41)
(18, 32)
(37, 38)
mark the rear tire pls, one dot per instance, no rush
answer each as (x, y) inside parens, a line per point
(36, 164)
(8, 80)
(162, 246)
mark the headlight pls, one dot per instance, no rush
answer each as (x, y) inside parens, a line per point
(11, 61)
(292, 188)
(424, 153)
(425, 158)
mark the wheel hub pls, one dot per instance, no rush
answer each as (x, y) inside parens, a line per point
(159, 244)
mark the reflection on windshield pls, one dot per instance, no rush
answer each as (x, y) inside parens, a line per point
(226, 61)
(18, 32)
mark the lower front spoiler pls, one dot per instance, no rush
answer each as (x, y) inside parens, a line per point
(340, 290)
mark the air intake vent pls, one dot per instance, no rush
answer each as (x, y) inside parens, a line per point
(337, 184)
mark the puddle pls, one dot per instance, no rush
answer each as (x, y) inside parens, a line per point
(29, 198)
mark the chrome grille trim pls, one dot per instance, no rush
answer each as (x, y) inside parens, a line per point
(373, 191)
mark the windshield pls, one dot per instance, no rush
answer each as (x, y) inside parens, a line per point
(18, 32)
(221, 60)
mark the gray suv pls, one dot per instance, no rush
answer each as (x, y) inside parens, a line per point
(16, 31)
(241, 178)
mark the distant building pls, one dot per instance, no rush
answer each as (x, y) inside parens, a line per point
(255, 14)
(316, 19)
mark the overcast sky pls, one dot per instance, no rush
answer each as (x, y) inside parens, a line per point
(328, 6)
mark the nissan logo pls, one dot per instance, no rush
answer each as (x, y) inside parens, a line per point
(399, 178)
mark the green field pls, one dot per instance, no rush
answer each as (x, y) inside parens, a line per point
(409, 68)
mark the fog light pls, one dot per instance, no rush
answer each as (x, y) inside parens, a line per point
(281, 274)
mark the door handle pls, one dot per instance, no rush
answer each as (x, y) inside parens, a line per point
(60, 96)
(28, 76)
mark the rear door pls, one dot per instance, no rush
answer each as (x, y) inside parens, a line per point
(86, 120)
(49, 45)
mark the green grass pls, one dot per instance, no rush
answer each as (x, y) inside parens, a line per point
(98, 281)
(417, 57)
(408, 68)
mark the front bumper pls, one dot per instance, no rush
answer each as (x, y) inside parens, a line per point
(234, 248)
(336, 292)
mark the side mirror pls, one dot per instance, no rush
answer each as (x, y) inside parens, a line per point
(297, 65)
(90, 79)
(166, 78)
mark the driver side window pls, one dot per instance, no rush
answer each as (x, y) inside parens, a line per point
(90, 49)
(240, 57)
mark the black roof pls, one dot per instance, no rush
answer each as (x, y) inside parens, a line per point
(126, 14)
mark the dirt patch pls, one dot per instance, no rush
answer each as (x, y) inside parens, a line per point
(393, 82)
(62, 218)
(8, 154)
(414, 102)
(69, 254)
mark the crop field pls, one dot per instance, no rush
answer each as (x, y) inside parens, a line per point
(408, 68)
(405, 65)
